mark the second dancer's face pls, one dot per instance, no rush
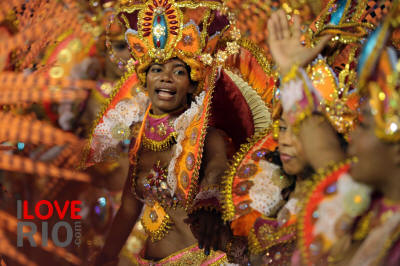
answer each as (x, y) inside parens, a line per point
(290, 149)
(376, 158)
(168, 86)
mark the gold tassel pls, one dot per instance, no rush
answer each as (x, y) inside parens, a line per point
(157, 146)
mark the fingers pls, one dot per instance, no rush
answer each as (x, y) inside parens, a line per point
(321, 44)
(296, 28)
(272, 30)
(284, 26)
(215, 237)
(209, 236)
(203, 231)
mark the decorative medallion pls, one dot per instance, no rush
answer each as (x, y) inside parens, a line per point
(193, 136)
(190, 160)
(259, 154)
(247, 170)
(243, 187)
(184, 179)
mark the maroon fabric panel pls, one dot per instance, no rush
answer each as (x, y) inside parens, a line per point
(230, 111)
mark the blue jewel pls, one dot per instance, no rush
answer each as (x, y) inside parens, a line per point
(331, 189)
(160, 32)
(20, 146)
(338, 14)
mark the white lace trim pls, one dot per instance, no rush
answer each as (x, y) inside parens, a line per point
(122, 116)
(265, 195)
(331, 209)
(180, 126)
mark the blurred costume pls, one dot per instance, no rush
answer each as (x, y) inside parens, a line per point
(375, 221)
(202, 34)
(325, 86)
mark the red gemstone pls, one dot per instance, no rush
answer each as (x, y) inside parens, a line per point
(151, 7)
(158, 19)
(174, 22)
(158, 44)
(174, 27)
(168, 6)
(149, 13)
(146, 29)
(169, 12)
(155, 3)
(146, 24)
(146, 34)
(172, 17)
(173, 32)
(160, 1)
(147, 18)
(165, 2)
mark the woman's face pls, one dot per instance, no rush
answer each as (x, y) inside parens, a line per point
(290, 149)
(121, 50)
(376, 158)
(168, 86)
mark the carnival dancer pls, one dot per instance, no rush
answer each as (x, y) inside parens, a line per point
(372, 239)
(302, 150)
(180, 51)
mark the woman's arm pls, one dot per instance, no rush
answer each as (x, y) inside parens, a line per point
(122, 225)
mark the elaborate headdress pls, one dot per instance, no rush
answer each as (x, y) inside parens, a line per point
(333, 78)
(379, 69)
(158, 30)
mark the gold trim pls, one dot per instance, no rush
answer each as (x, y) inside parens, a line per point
(255, 246)
(195, 175)
(310, 187)
(227, 204)
(387, 246)
(162, 229)
(258, 53)
(162, 145)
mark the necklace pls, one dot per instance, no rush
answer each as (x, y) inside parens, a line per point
(159, 133)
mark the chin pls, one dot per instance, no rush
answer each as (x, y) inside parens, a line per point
(357, 174)
(290, 169)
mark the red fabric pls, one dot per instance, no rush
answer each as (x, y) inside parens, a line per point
(230, 111)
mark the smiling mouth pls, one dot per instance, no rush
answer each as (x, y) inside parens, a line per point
(165, 94)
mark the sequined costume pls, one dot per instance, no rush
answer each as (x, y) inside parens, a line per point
(232, 74)
(378, 226)
(325, 86)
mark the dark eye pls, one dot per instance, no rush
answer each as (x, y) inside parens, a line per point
(120, 46)
(180, 72)
(282, 128)
(155, 69)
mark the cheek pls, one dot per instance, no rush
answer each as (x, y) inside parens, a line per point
(371, 158)
(183, 87)
(294, 167)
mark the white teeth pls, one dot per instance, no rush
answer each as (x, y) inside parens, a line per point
(166, 91)
(165, 94)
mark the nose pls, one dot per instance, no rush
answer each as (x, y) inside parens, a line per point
(284, 139)
(166, 76)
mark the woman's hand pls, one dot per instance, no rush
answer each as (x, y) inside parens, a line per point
(209, 229)
(284, 43)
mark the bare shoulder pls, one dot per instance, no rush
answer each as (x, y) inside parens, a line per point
(215, 138)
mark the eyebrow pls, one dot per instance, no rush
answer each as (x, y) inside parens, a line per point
(179, 65)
